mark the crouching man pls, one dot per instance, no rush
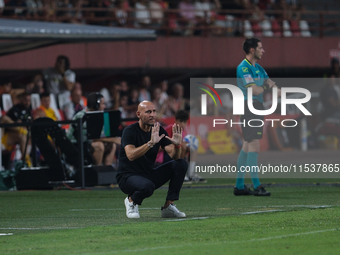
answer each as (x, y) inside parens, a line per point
(139, 147)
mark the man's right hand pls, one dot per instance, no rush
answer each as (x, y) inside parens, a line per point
(155, 138)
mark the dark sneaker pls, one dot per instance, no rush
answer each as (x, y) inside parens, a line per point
(242, 192)
(187, 180)
(260, 191)
(198, 179)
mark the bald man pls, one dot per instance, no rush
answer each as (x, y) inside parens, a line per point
(139, 147)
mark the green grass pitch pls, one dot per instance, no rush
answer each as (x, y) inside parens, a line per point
(296, 219)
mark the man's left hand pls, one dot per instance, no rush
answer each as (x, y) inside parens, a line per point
(176, 135)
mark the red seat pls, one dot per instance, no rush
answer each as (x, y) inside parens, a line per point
(277, 30)
(294, 26)
(256, 29)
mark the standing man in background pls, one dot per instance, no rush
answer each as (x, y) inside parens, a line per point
(60, 80)
(251, 74)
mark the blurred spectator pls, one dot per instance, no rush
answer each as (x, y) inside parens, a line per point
(206, 13)
(75, 105)
(164, 95)
(133, 102)
(66, 13)
(291, 9)
(36, 86)
(96, 15)
(44, 110)
(2, 5)
(123, 105)
(19, 113)
(16, 90)
(142, 14)
(187, 15)
(206, 10)
(34, 8)
(124, 87)
(157, 8)
(111, 96)
(50, 9)
(5, 88)
(176, 101)
(334, 74)
(77, 14)
(77, 85)
(59, 78)
(144, 94)
(120, 13)
(155, 98)
(330, 101)
(335, 71)
(18, 8)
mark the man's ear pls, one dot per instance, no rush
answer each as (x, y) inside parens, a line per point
(138, 114)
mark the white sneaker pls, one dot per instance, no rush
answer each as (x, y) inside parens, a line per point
(131, 209)
(172, 212)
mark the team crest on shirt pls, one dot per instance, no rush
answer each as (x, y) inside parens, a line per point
(245, 69)
(248, 78)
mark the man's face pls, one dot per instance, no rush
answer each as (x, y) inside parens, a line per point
(258, 51)
(178, 92)
(26, 101)
(146, 82)
(182, 124)
(45, 101)
(102, 104)
(60, 63)
(76, 96)
(147, 114)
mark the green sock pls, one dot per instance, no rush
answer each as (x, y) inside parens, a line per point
(242, 161)
(252, 161)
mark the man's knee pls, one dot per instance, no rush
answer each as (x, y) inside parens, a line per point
(148, 189)
(181, 164)
(98, 146)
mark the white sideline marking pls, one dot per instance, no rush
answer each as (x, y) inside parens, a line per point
(112, 209)
(297, 234)
(307, 206)
(43, 228)
(224, 242)
(6, 234)
(262, 211)
(196, 218)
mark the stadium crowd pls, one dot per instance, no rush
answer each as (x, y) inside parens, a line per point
(180, 16)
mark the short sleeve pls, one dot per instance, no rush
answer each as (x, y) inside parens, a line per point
(265, 75)
(70, 76)
(128, 137)
(245, 77)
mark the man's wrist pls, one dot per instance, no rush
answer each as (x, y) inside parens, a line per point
(150, 144)
(178, 146)
(265, 87)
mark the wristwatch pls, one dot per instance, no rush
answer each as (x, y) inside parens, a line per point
(148, 143)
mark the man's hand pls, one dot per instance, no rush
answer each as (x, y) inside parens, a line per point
(278, 92)
(176, 135)
(155, 138)
(270, 83)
